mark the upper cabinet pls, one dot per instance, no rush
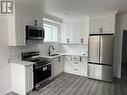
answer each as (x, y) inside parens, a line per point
(75, 32)
(102, 24)
(24, 15)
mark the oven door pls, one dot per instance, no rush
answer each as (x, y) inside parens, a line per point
(41, 73)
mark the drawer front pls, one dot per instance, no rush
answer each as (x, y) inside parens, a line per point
(76, 66)
(76, 58)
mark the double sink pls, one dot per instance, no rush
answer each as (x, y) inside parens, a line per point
(54, 54)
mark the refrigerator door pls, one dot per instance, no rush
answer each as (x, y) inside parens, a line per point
(93, 49)
(106, 49)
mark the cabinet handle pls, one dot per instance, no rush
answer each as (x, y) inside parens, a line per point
(101, 30)
(76, 69)
(75, 63)
(80, 59)
(82, 40)
(71, 58)
(59, 59)
(68, 40)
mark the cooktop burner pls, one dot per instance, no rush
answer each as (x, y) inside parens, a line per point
(33, 57)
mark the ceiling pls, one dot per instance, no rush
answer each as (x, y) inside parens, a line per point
(69, 8)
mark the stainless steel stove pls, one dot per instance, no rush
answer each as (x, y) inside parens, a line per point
(41, 68)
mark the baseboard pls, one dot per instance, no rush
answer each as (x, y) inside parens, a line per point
(85, 75)
(5, 92)
(57, 75)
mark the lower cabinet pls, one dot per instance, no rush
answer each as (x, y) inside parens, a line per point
(75, 65)
(22, 78)
(57, 65)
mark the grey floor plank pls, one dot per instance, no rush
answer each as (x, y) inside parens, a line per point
(68, 84)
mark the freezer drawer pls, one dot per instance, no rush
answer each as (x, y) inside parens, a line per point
(100, 72)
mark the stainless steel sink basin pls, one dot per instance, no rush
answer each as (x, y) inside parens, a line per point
(54, 54)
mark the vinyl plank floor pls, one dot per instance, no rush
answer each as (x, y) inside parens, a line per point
(68, 84)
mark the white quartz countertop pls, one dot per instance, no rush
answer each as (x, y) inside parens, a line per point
(73, 54)
(24, 63)
(51, 57)
(61, 54)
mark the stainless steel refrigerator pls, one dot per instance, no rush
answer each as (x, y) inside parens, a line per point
(100, 56)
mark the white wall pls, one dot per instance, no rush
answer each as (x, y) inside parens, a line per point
(5, 76)
(121, 24)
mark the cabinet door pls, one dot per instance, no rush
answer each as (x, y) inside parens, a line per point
(74, 32)
(83, 32)
(108, 23)
(57, 66)
(20, 28)
(60, 64)
(11, 31)
(54, 63)
(66, 29)
(67, 64)
(83, 66)
(94, 25)
(29, 78)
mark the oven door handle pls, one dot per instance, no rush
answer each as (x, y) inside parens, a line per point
(37, 67)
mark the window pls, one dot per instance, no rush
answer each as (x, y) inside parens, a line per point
(51, 32)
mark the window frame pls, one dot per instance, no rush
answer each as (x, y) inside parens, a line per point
(54, 24)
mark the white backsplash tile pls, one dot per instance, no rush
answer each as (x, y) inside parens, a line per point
(74, 49)
(15, 52)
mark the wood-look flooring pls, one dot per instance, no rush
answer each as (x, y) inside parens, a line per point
(68, 84)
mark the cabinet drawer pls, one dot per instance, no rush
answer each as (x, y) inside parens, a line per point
(76, 66)
(76, 58)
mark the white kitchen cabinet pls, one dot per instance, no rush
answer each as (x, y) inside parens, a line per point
(108, 24)
(66, 29)
(22, 78)
(75, 32)
(83, 66)
(94, 24)
(102, 24)
(76, 65)
(57, 66)
(24, 15)
(68, 64)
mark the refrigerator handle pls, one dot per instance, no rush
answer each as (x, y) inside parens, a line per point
(99, 48)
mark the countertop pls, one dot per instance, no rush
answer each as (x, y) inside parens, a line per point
(24, 63)
(61, 54)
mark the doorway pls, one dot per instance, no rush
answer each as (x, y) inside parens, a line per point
(124, 57)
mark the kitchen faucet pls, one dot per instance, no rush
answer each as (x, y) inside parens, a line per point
(49, 50)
